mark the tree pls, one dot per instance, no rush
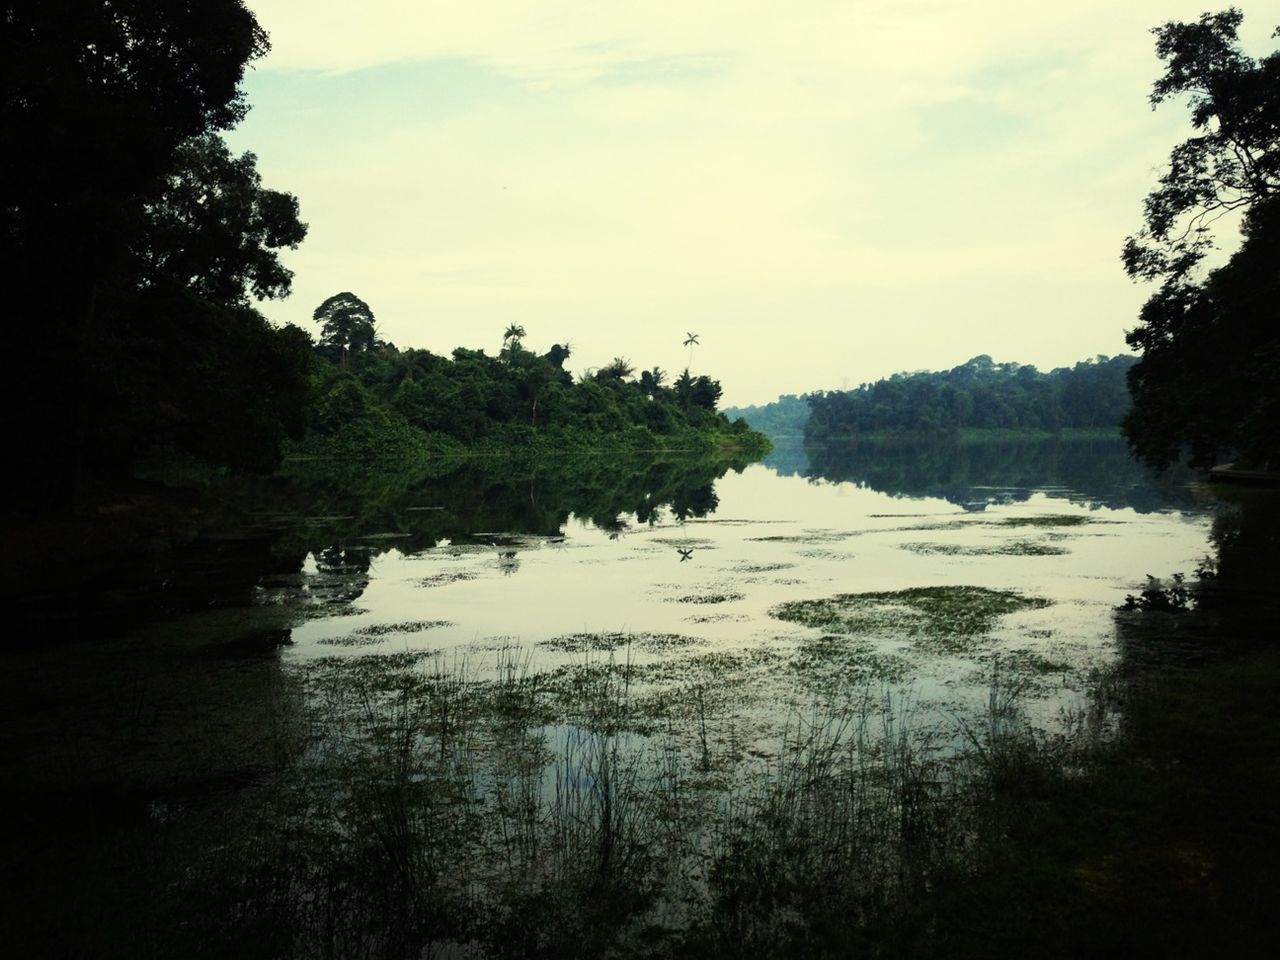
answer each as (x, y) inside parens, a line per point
(215, 229)
(618, 369)
(651, 381)
(346, 324)
(1209, 378)
(136, 236)
(512, 336)
(558, 354)
(690, 341)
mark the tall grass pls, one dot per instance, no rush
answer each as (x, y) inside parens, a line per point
(437, 812)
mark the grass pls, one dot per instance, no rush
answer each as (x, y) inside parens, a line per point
(470, 807)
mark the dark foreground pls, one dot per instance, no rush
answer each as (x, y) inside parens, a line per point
(192, 799)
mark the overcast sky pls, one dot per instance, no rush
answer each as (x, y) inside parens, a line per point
(826, 193)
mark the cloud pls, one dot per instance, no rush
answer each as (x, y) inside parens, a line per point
(891, 179)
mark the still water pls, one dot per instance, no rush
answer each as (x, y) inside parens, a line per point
(791, 580)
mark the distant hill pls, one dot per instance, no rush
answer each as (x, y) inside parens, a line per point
(785, 417)
(977, 395)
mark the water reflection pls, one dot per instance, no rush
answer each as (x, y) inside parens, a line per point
(1093, 472)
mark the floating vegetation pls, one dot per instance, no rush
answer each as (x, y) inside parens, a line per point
(1047, 520)
(652, 642)
(1016, 548)
(825, 555)
(444, 579)
(331, 610)
(762, 567)
(718, 618)
(949, 618)
(724, 667)
(352, 640)
(701, 544)
(404, 626)
(708, 598)
(840, 661)
(809, 536)
(1023, 672)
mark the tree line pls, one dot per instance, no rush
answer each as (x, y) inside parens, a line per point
(977, 395)
(368, 392)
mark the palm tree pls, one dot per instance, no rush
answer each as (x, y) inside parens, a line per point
(619, 369)
(691, 341)
(514, 334)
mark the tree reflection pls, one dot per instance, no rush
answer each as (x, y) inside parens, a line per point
(1097, 472)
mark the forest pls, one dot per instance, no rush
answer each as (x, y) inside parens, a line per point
(977, 395)
(370, 397)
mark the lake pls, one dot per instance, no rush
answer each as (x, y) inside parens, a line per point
(452, 707)
(734, 581)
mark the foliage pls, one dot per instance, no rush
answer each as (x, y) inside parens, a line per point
(346, 324)
(519, 399)
(138, 239)
(1156, 596)
(1209, 378)
(977, 394)
(214, 229)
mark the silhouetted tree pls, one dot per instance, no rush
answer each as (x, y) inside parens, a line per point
(136, 236)
(618, 369)
(215, 229)
(346, 324)
(1209, 377)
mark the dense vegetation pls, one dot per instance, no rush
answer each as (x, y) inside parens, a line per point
(138, 242)
(977, 395)
(1208, 382)
(373, 398)
(141, 243)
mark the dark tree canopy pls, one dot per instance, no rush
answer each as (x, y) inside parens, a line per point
(139, 241)
(1230, 164)
(1208, 383)
(345, 321)
(215, 230)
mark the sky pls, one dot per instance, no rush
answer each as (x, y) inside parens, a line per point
(825, 192)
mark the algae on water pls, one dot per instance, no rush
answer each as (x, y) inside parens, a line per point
(1016, 548)
(947, 617)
